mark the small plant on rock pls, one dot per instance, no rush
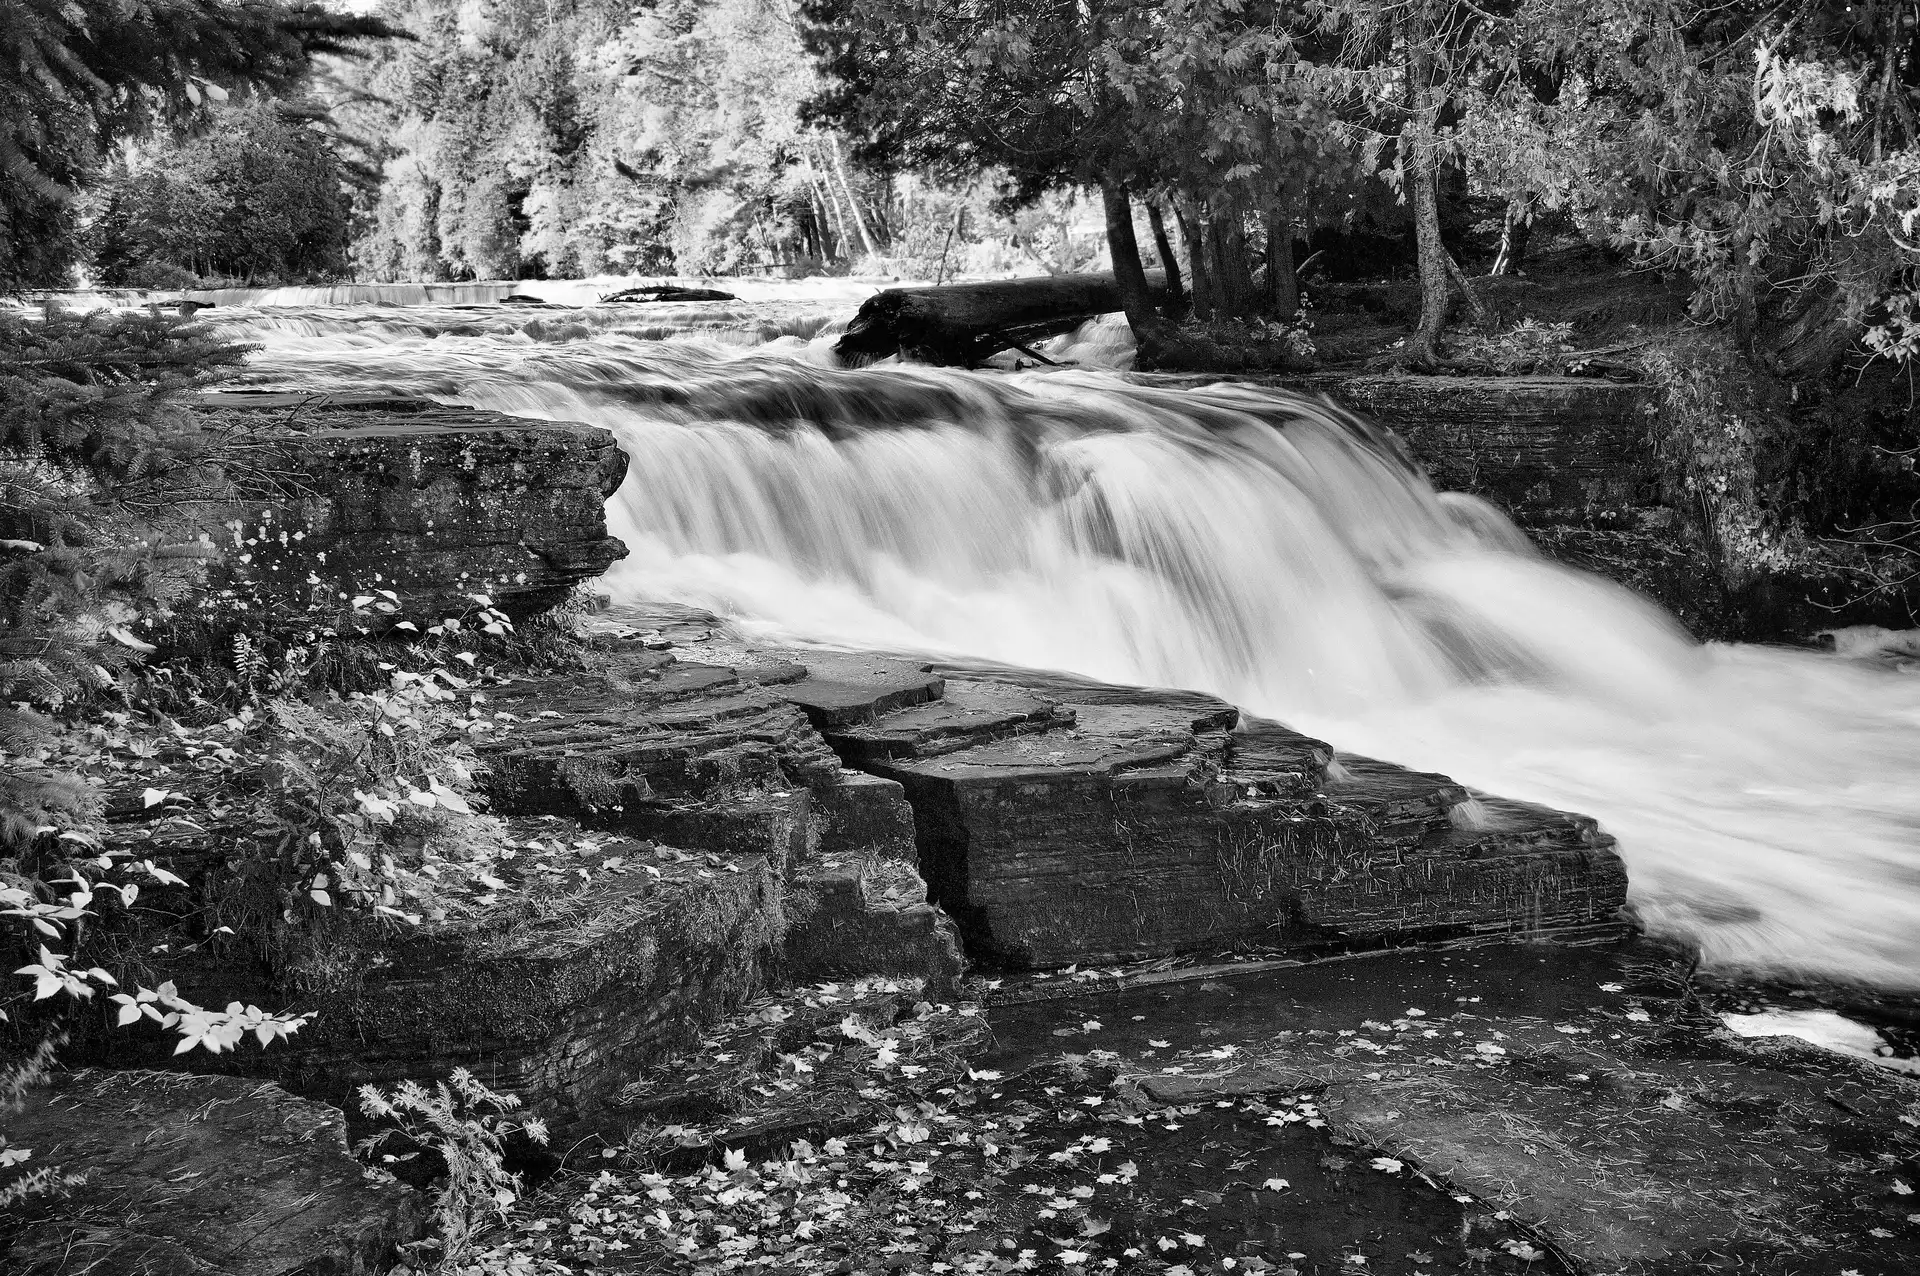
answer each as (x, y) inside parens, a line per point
(465, 1125)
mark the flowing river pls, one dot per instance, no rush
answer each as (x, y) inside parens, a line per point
(1244, 542)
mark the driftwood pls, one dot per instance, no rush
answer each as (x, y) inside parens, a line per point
(961, 324)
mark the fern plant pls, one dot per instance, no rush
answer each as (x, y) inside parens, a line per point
(465, 1125)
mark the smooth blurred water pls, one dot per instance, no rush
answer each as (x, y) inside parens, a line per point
(1248, 543)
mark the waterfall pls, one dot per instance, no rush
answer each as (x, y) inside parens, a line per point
(1261, 546)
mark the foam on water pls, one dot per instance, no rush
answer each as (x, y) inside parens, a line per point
(1248, 543)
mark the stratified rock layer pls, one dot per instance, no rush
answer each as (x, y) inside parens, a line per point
(434, 504)
(190, 1175)
(1542, 448)
(687, 826)
(677, 838)
(1066, 822)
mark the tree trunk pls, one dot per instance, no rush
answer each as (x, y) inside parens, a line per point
(1232, 272)
(859, 221)
(1459, 276)
(1205, 297)
(825, 193)
(1176, 304)
(1420, 165)
(1129, 276)
(1283, 286)
(946, 248)
(1515, 234)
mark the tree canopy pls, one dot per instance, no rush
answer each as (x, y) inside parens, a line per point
(86, 75)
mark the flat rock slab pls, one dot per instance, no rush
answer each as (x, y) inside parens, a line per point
(967, 714)
(198, 1176)
(848, 689)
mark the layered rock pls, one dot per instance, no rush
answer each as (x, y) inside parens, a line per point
(432, 503)
(1542, 448)
(185, 1174)
(675, 838)
(687, 826)
(1065, 822)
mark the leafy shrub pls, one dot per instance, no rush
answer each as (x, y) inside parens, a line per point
(1528, 346)
(256, 197)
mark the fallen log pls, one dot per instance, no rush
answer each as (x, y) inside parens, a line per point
(960, 325)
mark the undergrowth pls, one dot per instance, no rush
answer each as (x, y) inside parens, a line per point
(461, 1128)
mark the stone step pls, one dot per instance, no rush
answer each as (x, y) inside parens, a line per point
(967, 713)
(1519, 869)
(1403, 806)
(850, 920)
(850, 689)
(1266, 759)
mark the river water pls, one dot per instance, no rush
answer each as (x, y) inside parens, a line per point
(1238, 541)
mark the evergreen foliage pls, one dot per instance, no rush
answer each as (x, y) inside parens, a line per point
(91, 433)
(85, 74)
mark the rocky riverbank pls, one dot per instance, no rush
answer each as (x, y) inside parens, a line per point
(851, 961)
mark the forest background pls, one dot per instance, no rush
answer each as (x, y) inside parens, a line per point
(1766, 153)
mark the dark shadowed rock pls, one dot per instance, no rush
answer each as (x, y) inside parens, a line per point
(198, 1176)
(677, 838)
(1540, 447)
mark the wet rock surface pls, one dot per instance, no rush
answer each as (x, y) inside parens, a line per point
(186, 1175)
(1466, 1108)
(1544, 448)
(1592, 1095)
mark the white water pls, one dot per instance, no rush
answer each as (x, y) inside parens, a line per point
(1228, 540)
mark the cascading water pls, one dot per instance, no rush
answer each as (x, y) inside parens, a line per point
(1243, 542)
